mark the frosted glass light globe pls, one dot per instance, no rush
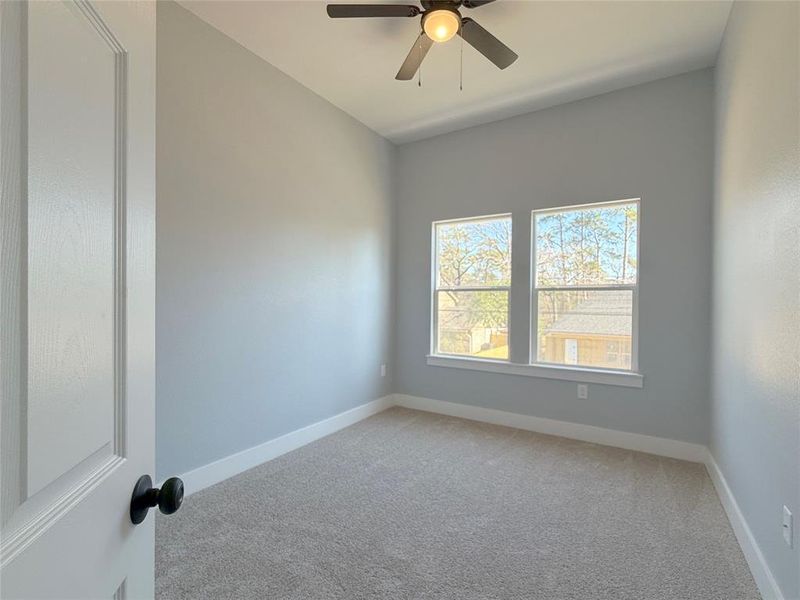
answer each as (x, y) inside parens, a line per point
(440, 25)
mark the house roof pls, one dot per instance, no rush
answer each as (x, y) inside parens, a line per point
(602, 313)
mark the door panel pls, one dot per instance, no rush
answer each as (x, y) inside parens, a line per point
(73, 237)
(78, 165)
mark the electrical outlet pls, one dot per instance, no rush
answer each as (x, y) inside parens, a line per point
(383, 370)
(787, 526)
(583, 391)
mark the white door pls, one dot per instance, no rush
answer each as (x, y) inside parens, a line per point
(571, 351)
(78, 219)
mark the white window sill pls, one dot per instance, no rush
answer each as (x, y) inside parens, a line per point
(577, 374)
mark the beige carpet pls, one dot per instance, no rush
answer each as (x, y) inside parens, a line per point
(413, 505)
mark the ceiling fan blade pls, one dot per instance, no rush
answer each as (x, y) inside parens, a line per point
(475, 3)
(415, 57)
(485, 43)
(346, 11)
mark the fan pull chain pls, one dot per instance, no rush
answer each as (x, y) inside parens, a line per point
(461, 59)
(419, 56)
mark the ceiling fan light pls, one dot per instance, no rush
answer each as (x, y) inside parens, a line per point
(441, 25)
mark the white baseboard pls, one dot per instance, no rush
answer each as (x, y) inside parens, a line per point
(586, 433)
(755, 559)
(220, 470)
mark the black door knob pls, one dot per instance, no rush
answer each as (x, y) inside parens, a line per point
(145, 496)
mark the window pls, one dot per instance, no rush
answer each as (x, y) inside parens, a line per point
(583, 293)
(472, 278)
(586, 285)
(619, 353)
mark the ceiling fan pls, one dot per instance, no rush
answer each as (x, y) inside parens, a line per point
(441, 20)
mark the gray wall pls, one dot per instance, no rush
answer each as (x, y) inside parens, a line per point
(755, 410)
(653, 141)
(274, 251)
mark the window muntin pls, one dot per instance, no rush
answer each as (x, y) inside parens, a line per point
(472, 279)
(586, 285)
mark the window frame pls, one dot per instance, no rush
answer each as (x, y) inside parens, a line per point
(533, 334)
(434, 313)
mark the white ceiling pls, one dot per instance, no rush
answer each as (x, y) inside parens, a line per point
(567, 51)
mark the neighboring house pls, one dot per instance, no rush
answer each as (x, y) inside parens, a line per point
(597, 332)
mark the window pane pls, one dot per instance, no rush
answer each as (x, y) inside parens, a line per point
(474, 253)
(587, 246)
(472, 323)
(589, 328)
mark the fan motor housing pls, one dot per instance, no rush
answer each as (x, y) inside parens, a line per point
(430, 5)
